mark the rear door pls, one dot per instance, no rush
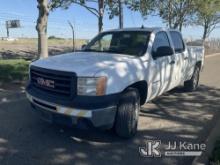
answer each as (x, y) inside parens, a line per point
(165, 64)
(181, 57)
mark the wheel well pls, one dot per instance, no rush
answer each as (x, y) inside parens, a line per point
(142, 88)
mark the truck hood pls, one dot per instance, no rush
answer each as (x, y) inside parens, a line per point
(85, 63)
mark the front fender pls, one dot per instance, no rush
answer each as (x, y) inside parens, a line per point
(122, 75)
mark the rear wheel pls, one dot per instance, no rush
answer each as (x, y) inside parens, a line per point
(192, 84)
(128, 113)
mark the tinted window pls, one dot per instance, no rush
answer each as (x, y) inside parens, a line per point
(177, 41)
(128, 42)
(161, 40)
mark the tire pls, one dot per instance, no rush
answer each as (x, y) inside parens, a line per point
(192, 84)
(126, 121)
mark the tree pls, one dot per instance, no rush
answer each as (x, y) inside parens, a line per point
(120, 8)
(175, 13)
(100, 14)
(115, 8)
(87, 4)
(41, 28)
(44, 7)
(145, 7)
(207, 16)
(73, 34)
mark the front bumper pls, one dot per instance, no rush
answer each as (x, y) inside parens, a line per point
(98, 117)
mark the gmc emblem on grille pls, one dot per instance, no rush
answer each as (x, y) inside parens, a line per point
(44, 82)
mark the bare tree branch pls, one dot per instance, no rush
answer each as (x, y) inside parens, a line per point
(90, 9)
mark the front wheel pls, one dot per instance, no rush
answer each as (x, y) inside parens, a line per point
(128, 113)
(192, 84)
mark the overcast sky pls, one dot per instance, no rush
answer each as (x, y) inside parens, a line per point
(85, 23)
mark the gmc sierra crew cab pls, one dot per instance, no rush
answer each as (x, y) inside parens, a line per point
(105, 83)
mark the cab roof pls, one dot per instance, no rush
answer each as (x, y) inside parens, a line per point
(148, 29)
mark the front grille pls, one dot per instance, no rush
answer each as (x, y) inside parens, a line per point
(56, 83)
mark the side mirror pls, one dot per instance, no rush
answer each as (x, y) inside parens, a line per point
(83, 46)
(163, 51)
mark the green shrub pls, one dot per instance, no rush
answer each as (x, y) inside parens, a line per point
(13, 70)
(216, 153)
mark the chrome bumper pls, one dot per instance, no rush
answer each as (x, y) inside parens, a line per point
(98, 117)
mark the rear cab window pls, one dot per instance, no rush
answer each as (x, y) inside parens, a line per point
(178, 43)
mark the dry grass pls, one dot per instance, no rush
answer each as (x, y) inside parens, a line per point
(212, 46)
(26, 48)
(51, 42)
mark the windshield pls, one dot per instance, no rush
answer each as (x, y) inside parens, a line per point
(127, 42)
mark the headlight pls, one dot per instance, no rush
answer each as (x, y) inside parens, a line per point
(91, 86)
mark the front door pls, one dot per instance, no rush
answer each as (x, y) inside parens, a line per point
(165, 64)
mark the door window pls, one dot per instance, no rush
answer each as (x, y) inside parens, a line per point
(161, 40)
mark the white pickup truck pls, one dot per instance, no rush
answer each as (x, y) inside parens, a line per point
(105, 84)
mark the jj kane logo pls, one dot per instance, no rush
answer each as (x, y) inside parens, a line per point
(153, 149)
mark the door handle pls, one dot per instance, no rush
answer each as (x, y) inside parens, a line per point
(172, 62)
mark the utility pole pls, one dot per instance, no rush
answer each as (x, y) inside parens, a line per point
(7, 28)
(7, 32)
(120, 4)
(72, 28)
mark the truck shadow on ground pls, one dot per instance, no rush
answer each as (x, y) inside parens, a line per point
(174, 116)
(177, 107)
